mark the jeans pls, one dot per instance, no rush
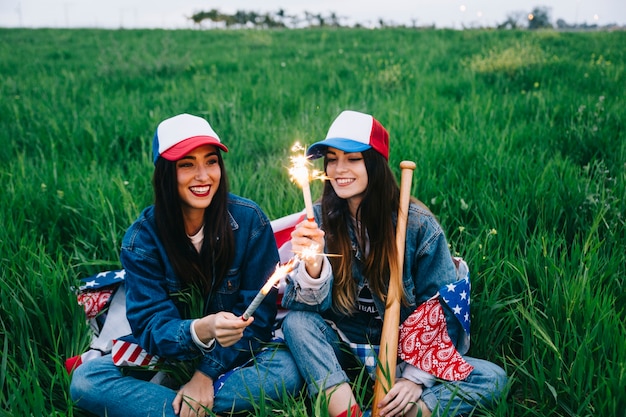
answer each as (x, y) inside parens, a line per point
(318, 352)
(99, 387)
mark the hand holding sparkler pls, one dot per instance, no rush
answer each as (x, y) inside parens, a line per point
(222, 327)
(311, 252)
(304, 250)
(280, 273)
(307, 243)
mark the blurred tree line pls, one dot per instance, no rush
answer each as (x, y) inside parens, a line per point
(538, 18)
(279, 19)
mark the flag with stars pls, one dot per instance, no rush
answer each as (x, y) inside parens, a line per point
(95, 293)
(102, 279)
(457, 295)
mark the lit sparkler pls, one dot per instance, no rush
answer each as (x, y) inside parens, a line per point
(312, 253)
(280, 272)
(300, 173)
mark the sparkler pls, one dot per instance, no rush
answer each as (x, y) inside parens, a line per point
(280, 272)
(300, 173)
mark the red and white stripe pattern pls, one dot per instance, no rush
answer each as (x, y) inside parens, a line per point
(282, 229)
(130, 354)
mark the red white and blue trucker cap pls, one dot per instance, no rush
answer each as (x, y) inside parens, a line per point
(177, 136)
(353, 131)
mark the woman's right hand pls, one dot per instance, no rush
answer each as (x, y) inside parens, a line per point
(226, 328)
(308, 239)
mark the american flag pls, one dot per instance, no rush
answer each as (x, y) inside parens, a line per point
(102, 279)
(130, 354)
(457, 295)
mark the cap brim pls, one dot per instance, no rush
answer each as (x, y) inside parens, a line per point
(318, 150)
(181, 149)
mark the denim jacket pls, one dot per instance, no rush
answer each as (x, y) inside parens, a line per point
(161, 321)
(428, 266)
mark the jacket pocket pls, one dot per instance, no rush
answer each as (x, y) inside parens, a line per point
(231, 283)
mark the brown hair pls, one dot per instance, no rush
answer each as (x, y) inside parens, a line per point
(374, 223)
(207, 269)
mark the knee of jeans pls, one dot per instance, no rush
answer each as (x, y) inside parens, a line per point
(296, 321)
(500, 378)
(290, 375)
(497, 379)
(80, 385)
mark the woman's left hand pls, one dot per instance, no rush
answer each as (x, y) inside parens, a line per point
(307, 237)
(403, 396)
(222, 326)
(195, 397)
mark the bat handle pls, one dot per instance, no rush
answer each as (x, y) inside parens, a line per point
(406, 179)
(387, 357)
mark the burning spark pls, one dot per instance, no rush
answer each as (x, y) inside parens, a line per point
(280, 272)
(299, 172)
(312, 253)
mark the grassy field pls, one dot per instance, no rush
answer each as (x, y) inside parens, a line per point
(519, 138)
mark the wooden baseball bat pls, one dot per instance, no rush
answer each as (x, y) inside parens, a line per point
(388, 355)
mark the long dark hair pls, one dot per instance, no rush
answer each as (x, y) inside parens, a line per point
(374, 222)
(207, 269)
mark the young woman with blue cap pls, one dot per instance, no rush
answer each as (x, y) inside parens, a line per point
(337, 302)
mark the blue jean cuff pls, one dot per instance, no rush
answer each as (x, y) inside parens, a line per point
(330, 381)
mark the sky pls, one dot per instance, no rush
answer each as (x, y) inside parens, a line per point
(175, 14)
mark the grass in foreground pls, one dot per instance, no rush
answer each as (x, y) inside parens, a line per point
(518, 138)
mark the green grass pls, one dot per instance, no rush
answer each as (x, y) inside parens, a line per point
(518, 137)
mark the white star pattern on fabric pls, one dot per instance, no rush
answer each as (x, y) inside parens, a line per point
(103, 279)
(457, 296)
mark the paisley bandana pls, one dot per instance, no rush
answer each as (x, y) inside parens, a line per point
(424, 343)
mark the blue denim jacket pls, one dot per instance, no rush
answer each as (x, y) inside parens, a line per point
(428, 266)
(160, 320)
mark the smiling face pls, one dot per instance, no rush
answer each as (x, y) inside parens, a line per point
(348, 176)
(198, 175)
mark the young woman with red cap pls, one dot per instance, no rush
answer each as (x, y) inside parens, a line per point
(337, 302)
(194, 261)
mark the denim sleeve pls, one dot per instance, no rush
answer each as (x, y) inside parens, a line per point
(300, 296)
(432, 268)
(256, 260)
(152, 314)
